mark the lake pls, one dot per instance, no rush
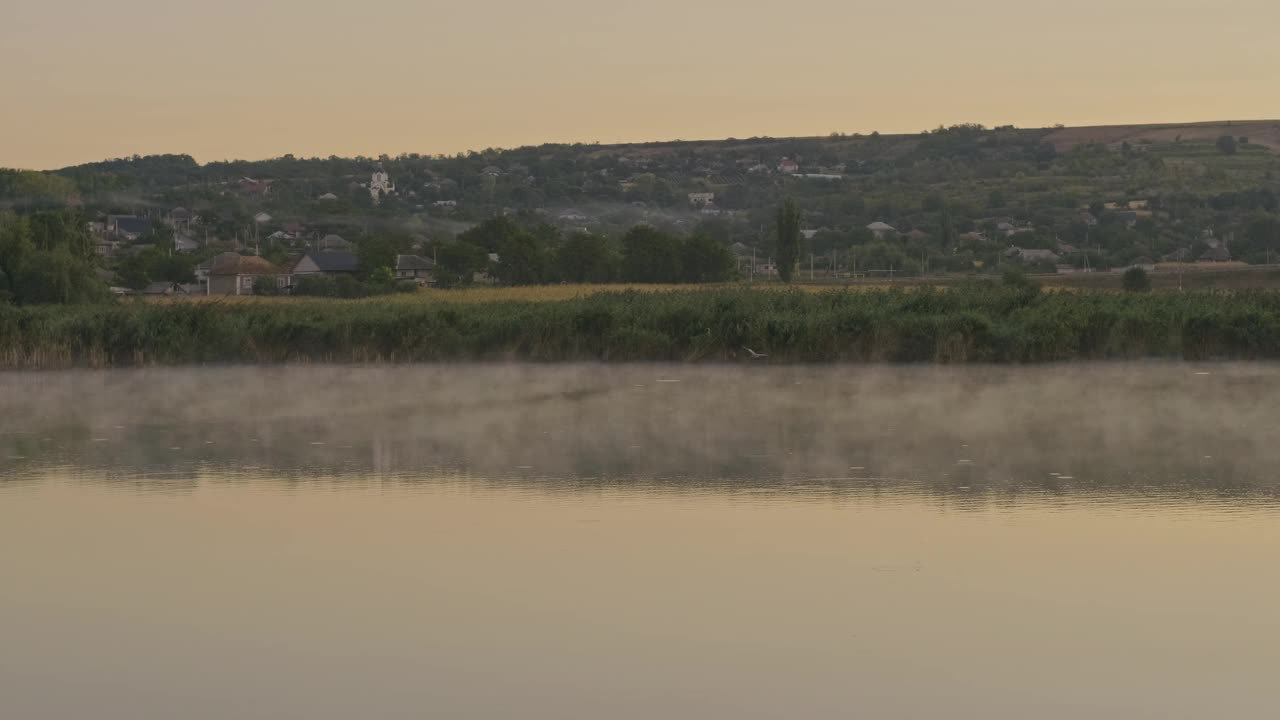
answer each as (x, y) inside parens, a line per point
(640, 542)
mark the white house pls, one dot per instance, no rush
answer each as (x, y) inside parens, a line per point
(787, 166)
(699, 199)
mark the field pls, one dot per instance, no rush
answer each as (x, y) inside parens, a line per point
(1261, 132)
(1167, 276)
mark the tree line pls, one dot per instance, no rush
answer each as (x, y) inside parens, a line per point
(516, 254)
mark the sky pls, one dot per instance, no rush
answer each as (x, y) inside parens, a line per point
(85, 80)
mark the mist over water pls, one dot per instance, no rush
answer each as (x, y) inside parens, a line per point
(640, 541)
(1073, 430)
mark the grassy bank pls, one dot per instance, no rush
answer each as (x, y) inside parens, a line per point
(970, 323)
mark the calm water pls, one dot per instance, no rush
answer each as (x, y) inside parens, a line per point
(641, 542)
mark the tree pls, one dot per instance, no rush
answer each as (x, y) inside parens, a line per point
(161, 236)
(650, 256)
(134, 271)
(788, 250)
(521, 260)
(57, 276)
(705, 260)
(585, 258)
(491, 233)
(457, 263)
(1135, 280)
(1227, 145)
(380, 251)
(1015, 278)
(56, 270)
(1262, 235)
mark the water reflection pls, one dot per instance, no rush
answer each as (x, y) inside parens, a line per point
(1146, 433)
(556, 542)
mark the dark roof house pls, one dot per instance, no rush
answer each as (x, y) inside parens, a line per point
(131, 227)
(327, 263)
(414, 262)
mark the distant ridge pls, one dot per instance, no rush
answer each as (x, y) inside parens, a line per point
(1265, 133)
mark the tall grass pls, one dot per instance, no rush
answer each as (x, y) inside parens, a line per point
(972, 323)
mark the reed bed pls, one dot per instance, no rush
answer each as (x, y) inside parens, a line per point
(979, 322)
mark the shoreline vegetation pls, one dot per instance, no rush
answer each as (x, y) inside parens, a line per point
(974, 322)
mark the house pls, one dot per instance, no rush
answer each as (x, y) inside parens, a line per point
(106, 248)
(330, 264)
(202, 270)
(787, 166)
(128, 227)
(184, 244)
(808, 234)
(491, 171)
(882, 230)
(1128, 205)
(262, 218)
(1216, 254)
(1128, 217)
(917, 235)
(571, 215)
(1032, 255)
(445, 204)
(233, 274)
(334, 242)
(327, 197)
(415, 268)
(256, 188)
(164, 287)
(710, 208)
(295, 230)
(701, 199)
(1142, 263)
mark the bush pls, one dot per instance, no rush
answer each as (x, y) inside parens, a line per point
(1136, 280)
(1015, 278)
(266, 286)
(316, 286)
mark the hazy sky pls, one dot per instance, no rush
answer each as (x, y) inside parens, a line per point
(89, 79)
